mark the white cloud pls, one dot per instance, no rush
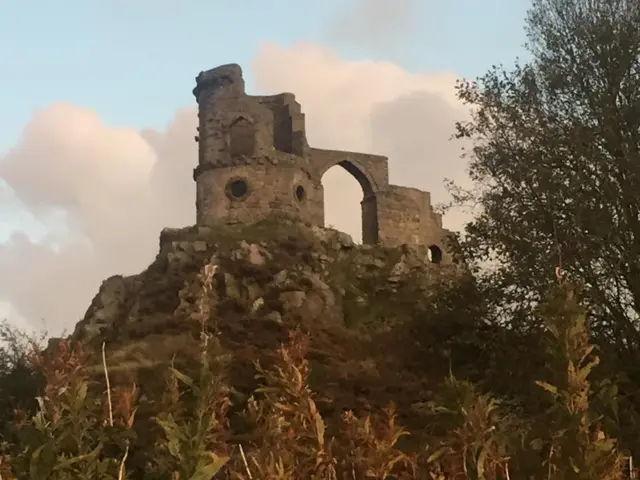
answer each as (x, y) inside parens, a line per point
(106, 192)
(376, 25)
(103, 193)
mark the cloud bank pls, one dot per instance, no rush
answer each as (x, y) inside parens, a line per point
(376, 25)
(102, 193)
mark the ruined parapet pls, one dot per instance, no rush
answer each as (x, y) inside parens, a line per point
(231, 126)
(289, 132)
(406, 217)
(225, 79)
(255, 162)
(251, 153)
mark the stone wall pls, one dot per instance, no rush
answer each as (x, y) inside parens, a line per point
(254, 161)
(246, 193)
(405, 216)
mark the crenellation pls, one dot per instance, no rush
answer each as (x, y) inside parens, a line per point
(255, 161)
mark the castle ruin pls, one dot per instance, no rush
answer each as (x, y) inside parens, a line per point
(254, 161)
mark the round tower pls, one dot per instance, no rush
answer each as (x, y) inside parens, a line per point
(251, 156)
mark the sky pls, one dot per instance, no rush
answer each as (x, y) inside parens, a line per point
(97, 117)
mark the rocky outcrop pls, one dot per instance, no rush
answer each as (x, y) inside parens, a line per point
(267, 279)
(268, 271)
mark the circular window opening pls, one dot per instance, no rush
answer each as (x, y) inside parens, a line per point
(435, 254)
(237, 188)
(301, 193)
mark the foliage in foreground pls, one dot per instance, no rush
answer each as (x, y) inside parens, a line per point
(87, 429)
(554, 155)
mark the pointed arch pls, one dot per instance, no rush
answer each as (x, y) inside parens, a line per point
(368, 204)
(242, 136)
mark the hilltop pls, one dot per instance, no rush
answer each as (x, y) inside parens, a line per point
(268, 279)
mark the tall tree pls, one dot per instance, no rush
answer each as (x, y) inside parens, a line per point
(556, 162)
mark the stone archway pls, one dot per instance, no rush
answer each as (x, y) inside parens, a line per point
(368, 204)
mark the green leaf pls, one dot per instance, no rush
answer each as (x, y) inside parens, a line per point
(34, 463)
(183, 378)
(82, 395)
(435, 456)
(209, 469)
(548, 387)
(61, 465)
(536, 444)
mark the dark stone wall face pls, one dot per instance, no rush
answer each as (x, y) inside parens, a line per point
(254, 161)
(370, 225)
(405, 216)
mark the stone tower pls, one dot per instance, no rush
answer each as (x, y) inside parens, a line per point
(254, 161)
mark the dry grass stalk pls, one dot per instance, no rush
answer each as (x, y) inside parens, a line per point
(106, 379)
(244, 460)
(290, 433)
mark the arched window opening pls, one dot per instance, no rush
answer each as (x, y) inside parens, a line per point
(435, 254)
(242, 137)
(342, 197)
(349, 203)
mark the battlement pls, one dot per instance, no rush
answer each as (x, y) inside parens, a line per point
(254, 161)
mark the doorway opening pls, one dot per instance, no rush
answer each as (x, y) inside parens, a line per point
(349, 203)
(435, 254)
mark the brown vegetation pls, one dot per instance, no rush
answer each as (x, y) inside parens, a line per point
(84, 428)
